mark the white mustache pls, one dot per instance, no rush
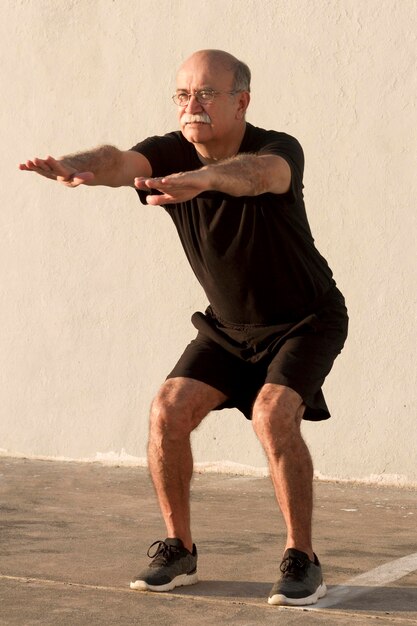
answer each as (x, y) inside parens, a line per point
(203, 118)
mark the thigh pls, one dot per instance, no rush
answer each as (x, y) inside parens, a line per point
(305, 359)
(278, 410)
(302, 364)
(205, 361)
(182, 403)
(278, 399)
(188, 394)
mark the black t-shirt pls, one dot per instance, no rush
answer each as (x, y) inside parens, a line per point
(253, 255)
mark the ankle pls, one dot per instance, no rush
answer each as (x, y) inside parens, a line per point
(186, 542)
(305, 549)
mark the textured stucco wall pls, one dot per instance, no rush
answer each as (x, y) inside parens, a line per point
(96, 294)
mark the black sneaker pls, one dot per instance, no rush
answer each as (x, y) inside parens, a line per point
(172, 566)
(301, 581)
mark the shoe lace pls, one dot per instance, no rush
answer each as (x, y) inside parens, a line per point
(293, 567)
(162, 553)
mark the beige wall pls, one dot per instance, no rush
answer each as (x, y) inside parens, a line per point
(96, 294)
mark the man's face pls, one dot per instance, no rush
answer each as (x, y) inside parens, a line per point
(216, 121)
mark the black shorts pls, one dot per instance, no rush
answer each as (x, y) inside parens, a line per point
(239, 359)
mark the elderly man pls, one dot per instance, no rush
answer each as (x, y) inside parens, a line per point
(275, 321)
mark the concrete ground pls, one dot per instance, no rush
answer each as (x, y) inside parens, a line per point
(73, 534)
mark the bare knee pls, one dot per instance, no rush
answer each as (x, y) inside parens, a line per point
(276, 417)
(171, 416)
(179, 407)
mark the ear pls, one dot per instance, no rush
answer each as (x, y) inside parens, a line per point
(243, 103)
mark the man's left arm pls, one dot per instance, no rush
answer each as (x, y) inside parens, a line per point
(243, 175)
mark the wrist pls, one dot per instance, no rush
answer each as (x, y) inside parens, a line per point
(209, 179)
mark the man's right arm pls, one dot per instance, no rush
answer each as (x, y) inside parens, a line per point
(105, 165)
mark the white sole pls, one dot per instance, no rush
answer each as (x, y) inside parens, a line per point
(180, 581)
(280, 599)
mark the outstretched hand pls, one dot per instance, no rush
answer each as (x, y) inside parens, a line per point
(176, 187)
(57, 170)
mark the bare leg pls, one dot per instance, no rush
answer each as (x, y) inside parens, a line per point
(277, 416)
(180, 406)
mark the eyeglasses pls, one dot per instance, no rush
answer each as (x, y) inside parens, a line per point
(204, 96)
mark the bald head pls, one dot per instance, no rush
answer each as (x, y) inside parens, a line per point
(214, 87)
(223, 61)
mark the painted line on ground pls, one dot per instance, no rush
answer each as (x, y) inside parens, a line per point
(359, 585)
(353, 588)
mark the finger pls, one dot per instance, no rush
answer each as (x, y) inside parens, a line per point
(41, 164)
(31, 167)
(80, 178)
(145, 184)
(162, 199)
(154, 183)
(28, 165)
(140, 183)
(170, 181)
(58, 167)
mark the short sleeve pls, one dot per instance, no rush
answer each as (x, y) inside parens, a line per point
(290, 149)
(164, 153)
